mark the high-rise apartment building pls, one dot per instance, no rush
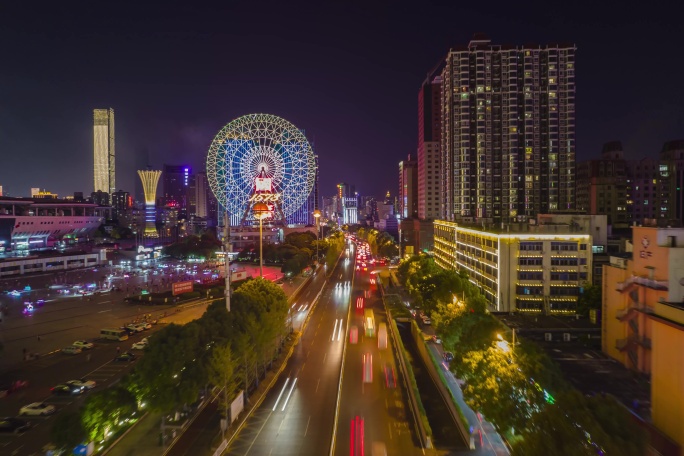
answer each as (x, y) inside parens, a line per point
(508, 131)
(121, 202)
(104, 151)
(429, 131)
(408, 188)
(647, 190)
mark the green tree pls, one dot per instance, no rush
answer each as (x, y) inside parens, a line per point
(497, 386)
(67, 430)
(221, 370)
(589, 299)
(581, 426)
(104, 409)
(172, 371)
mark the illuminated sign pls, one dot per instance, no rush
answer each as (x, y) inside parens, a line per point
(264, 198)
(263, 184)
(182, 287)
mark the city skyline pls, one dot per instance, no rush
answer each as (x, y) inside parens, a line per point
(169, 107)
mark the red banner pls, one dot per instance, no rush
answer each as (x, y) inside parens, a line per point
(182, 287)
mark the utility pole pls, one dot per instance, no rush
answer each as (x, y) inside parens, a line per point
(227, 247)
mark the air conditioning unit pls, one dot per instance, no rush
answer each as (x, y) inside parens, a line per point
(566, 337)
(548, 337)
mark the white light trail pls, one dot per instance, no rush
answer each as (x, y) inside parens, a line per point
(281, 394)
(288, 395)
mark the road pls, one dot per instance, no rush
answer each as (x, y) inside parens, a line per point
(381, 403)
(297, 414)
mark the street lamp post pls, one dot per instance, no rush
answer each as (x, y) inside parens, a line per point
(317, 216)
(261, 211)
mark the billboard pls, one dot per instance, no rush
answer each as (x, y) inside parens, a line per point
(182, 287)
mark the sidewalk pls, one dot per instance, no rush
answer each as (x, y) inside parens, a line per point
(143, 439)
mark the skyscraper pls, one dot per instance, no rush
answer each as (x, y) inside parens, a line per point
(103, 151)
(508, 136)
(408, 188)
(175, 185)
(429, 131)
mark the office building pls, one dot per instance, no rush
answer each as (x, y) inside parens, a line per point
(602, 186)
(350, 212)
(429, 132)
(121, 202)
(104, 152)
(539, 266)
(100, 198)
(508, 131)
(175, 187)
(408, 188)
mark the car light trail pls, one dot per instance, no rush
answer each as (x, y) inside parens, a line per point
(339, 331)
(288, 395)
(281, 394)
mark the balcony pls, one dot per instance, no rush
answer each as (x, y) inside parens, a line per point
(626, 314)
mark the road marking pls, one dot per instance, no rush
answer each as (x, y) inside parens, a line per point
(317, 384)
(334, 329)
(103, 311)
(339, 332)
(307, 426)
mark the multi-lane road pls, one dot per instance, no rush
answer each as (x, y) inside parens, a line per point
(309, 410)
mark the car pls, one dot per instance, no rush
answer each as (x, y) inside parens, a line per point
(37, 409)
(128, 330)
(65, 389)
(145, 325)
(135, 327)
(15, 425)
(427, 321)
(140, 345)
(84, 383)
(436, 340)
(125, 356)
(71, 350)
(83, 344)
(448, 356)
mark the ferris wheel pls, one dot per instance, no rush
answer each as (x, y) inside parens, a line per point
(260, 145)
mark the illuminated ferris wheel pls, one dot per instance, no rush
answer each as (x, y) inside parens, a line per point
(260, 145)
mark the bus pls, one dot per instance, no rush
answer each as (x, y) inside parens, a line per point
(369, 322)
(382, 336)
(113, 334)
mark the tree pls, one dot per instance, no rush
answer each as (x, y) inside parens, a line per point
(221, 371)
(67, 430)
(582, 426)
(172, 371)
(589, 299)
(497, 386)
(103, 410)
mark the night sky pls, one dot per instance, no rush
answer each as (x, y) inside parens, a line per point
(347, 73)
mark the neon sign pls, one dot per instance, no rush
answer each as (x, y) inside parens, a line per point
(264, 198)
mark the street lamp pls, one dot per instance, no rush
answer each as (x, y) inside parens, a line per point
(317, 216)
(261, 211)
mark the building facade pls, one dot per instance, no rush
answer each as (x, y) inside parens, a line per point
(508, 131)
(429, 132)
(175, 182)
(529, 267)
(408, 188)
(104, 151)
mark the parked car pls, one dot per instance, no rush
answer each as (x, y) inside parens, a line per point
(83, 383)
(83, 344)
(125, 356)
(135, 327)
(37, 409)
(436, 340)
(71, 350)
(8, 424)
(66, 389)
